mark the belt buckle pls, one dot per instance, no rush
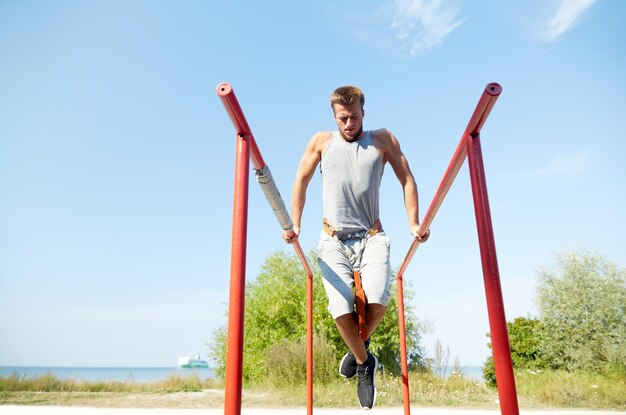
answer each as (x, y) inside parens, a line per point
(329, 229)
(354, 235)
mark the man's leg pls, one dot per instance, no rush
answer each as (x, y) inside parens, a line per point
(374, 314)
(348, 326)
(375, 274)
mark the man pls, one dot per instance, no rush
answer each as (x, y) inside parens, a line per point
(352, 241)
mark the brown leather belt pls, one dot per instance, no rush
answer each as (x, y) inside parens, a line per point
(332, 231)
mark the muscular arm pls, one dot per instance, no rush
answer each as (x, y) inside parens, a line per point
(391, 152)
(306, 168)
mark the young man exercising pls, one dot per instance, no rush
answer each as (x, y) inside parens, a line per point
(352, 244)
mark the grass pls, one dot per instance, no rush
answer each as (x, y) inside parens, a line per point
(573, 389)
(50, 383)
(174, 392)
(425, 390)
(535, 390)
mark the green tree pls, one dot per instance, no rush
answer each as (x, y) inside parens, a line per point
(525, 342)
(275, 319)
(524, 339)
(582, 305)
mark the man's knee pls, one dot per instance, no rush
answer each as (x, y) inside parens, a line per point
(376, 308)
(346, 319)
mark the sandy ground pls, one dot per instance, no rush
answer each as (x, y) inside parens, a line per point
(66, 410)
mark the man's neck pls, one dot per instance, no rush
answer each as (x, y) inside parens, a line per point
(357, 138)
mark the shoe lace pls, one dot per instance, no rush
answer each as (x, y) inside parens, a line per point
(363, 374)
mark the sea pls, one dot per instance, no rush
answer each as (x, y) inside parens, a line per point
(469, 372)
(144, 374)
(95, 374)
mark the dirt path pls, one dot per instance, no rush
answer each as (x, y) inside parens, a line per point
(66, 410)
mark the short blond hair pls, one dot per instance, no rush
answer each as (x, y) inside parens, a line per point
(347, 95)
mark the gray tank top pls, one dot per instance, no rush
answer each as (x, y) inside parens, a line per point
(351, 176)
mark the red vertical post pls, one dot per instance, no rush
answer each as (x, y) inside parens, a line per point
(309, 343)
(404, 364)
(234, 356)
(248, 149)
(495, 304)
(309, 327)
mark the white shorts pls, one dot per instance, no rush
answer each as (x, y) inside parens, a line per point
(337, 259)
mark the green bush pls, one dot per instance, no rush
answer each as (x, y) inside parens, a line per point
(286, 362)
(582, 305)
(525, 342)
(489, 372)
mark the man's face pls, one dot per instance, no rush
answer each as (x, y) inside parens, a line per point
(349, 120)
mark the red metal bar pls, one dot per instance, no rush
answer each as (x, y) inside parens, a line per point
(495, 304)
(234, 364)
(309, 327)
(483, 108)
(403, 356)
(226, 93)
(234, 357)
(486, 103)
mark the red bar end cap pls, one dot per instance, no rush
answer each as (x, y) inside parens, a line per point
(494, 89)
(224, 89)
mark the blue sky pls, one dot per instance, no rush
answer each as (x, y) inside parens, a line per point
(117, 157)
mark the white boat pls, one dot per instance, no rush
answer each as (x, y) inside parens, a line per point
(192, 362)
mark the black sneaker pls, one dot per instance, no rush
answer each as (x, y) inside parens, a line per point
(366, 389)
(347, 366)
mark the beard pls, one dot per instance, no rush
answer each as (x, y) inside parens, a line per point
(351, 139)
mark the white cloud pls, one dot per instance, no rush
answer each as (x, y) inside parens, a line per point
(568, 13)
(401, 27)
(421, 25)
(564, 165)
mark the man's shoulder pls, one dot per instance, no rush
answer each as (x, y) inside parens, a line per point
(321, 138)
(318, 142)
(323, 135)
(382, 136)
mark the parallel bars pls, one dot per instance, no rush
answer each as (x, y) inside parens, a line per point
(469, 146)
